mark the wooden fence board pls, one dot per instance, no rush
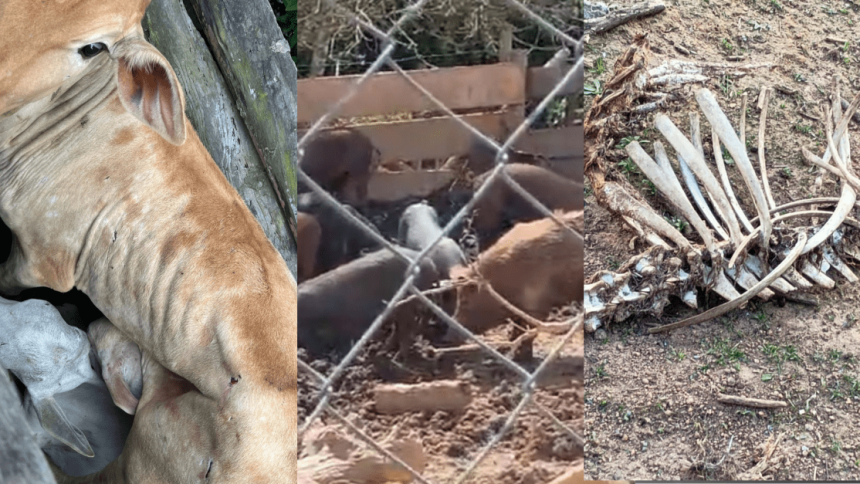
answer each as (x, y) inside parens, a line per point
(457, 87)
(440, 138)
(434, 138)
(553, 142)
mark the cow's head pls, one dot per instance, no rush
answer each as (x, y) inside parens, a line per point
(48, 46)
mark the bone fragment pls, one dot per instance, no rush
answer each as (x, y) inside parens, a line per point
(842, 125)
(741, 248)
(696, 138)
(856, 116)
(618, 200)
(747, 280)
(816, 275)
(843, 208)
(794, 277)
(649, 236)
(838, 264)
(762, 165)
(693, 186)
(750, 402)
(755, 266)
(742, 125)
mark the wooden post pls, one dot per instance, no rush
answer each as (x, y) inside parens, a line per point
(517, 114)
(21, 460)
(217, 121)
(254, 57)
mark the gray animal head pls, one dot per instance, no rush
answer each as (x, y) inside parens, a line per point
(44, 352)
(50, 358)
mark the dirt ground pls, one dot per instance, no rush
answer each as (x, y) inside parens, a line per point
(651, 408)
(535, 450)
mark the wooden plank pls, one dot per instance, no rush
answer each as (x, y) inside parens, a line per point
(21, 460)
(434, 138)
(388, 92)
(393, 186)
(562, 142)
(541, 80)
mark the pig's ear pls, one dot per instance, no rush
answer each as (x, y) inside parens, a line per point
(149, 89)
(54, 422)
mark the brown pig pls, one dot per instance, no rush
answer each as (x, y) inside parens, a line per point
(341, 161)
(536, 266)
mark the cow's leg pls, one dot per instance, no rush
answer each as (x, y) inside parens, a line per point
(15, 273)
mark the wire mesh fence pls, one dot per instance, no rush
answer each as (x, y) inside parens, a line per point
(409, 292)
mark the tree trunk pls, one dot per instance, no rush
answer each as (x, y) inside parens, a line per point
(255, 59)
(21, 460)
(217, 121)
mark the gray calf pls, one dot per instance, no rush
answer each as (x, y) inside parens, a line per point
(68, 405)
(419, 227)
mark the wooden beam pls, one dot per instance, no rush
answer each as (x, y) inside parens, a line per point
(255, 60)
(440, 138)
(389, 93)
(562, 142)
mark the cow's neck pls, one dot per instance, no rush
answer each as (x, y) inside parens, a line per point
(44, 124)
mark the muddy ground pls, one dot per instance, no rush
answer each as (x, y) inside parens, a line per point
(651, 409)
(535, 450)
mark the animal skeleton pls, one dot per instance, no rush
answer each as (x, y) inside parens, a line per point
(802, 256)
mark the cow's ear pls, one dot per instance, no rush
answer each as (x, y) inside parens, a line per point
(149, 89)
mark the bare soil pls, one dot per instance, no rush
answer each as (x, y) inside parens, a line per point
(534, 451)
(651, 400)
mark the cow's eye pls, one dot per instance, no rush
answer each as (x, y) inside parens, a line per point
(91, 50)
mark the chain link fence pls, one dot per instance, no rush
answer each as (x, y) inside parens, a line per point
(528, 384)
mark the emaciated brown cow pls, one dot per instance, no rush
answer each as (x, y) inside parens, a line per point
(107, 188)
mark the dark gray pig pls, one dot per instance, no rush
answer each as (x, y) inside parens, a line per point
(336, 308)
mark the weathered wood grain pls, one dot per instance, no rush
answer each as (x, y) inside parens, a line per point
(456, 87)
(217, 120)
(254, 57)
